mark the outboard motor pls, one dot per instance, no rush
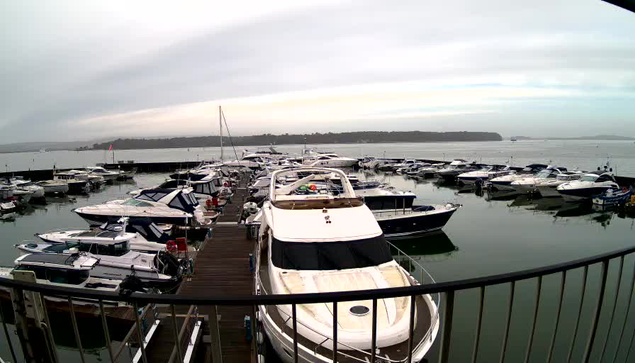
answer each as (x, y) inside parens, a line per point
(169, 264)
(131, 284)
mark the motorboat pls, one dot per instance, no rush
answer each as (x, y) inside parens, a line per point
(484, 174)
(612, 198)
(171, 206)
(456, 167)
(330, 160)
(528, 184)
(320, 242)
(548, 187)
(504, 182)
(416, 220)
(37, 192)
(378, 196)
(116, 259)
(54, 186)
(7, 207)
(141, 236)
(63, 270)
(77, 181)
(108, 175)
(6, 192)
(370, 162)
(430, 171)
(412, 169)
(588, 186)
(203, 189)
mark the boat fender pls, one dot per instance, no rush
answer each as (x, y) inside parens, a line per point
(247, 326)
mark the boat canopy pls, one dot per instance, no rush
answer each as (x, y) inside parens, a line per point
(175, 198)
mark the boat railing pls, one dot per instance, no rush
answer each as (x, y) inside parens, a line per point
(589, 302)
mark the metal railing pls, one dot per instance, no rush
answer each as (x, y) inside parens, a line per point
(605, 305)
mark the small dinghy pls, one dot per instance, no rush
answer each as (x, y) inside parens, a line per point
(612, 197)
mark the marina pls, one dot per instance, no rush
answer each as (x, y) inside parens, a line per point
(222, 266)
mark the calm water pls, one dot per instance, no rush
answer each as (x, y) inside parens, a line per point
(486, 236)
(586, 155)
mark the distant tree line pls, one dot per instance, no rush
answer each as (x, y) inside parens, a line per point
(315, 138)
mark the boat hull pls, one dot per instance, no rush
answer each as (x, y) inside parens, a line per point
(413, 223)
(99, 219)
(581, 194)
(548, 191)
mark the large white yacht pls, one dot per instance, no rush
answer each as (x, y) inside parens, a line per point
(171, 206)
(504, 182)
(456, 167)
(588, 186)
(330, 160)
(548, 187)
(528, 184)
(318, 242)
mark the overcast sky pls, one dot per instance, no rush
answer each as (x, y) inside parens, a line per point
(79, 70)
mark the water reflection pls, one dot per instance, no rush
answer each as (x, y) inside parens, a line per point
(435, 246)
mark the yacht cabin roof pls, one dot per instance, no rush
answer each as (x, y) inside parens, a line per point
(58, 260)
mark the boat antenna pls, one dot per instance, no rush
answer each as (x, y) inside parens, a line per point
(220, 124)
(228, 134)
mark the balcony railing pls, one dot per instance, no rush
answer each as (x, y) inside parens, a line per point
(605, 283)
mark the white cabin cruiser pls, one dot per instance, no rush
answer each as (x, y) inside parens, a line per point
(141, 236)
(20, 183)
(54, 186)
(106, 174)
(116, 259)
(528, 184)
(456, 167)
(483, 174)
(321, 242)
(330, 160)
(170, 206)
(549, 187)
(77, 181)
(504, 182)
(588, 186)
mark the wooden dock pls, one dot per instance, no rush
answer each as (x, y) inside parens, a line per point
(221, 269)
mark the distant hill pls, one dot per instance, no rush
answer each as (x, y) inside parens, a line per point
(596, 137)
(37, 146)
(315, 138)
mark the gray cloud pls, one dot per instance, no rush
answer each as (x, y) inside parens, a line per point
(99, 67)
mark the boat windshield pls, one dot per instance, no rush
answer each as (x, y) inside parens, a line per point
(589, 178)
(330, 255)
(544, 174)
(137, 203)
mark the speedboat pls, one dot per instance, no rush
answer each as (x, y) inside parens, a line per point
(430, 171)
(77, 181)
(330, 160)
(483, 174)
(141, 236)
(116, 259)
(548, 187)
(170, 206)
(318, 243)
(504, 182)
(456, 167)
(204, 189)
(416, 220)
(109, 176)
(37, 192)
(54, 186)
(528, 184)
(588, 186)
(378, 196)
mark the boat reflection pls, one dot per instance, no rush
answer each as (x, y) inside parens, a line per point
(565, 212)
(435, 246)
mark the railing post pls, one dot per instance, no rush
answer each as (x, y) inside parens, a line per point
(563, 282)
(596, 316)
(617, 294)
(577, 321)
(535, 318)
(6, 333)
(444, 352)
(334, 331)
(508, 321)
(48, 332)
(479, 322)
(78, 338)
(411, 328)
(177, 341)
(216, 349)
(295, 332)
(19, 311)
(104, 323)
(373, 346)
(142, 347)
(628, 309)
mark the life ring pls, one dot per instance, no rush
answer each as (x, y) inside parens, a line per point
(171, 246)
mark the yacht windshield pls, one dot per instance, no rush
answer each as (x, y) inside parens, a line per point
(330, 255)
(589, 178)
(543, 174)
(137, 203)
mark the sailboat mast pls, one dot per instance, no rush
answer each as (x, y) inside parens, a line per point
(220, 124)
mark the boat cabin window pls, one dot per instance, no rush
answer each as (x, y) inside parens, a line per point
(72, 277)
(590, 178)
(137, 203)
(115, 249)
(604, 178)
(544, 174)
(330, 255)
(40, 271)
